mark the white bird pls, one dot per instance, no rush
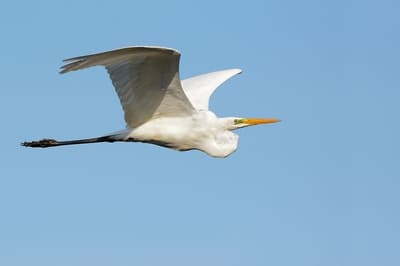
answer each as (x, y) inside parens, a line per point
(159, 107)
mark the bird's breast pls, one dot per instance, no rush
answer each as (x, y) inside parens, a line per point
(174, 132)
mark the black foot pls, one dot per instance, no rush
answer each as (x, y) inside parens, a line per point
(44, 143)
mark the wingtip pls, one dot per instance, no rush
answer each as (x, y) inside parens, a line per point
(238, 70)
(64, 69)
(234, 71)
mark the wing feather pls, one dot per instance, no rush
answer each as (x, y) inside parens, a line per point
(146, 80)
(200, 88)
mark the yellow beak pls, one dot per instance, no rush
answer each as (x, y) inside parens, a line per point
(258, 121)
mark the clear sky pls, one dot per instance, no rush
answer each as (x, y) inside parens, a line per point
(319, 188)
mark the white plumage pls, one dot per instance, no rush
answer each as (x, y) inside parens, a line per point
(200, 88)
(160, 108)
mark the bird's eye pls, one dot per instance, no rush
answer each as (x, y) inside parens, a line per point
(237, 121)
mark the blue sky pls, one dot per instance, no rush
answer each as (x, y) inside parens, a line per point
(319, 188)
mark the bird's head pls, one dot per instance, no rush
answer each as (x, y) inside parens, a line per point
(239, 122)
(224, 141)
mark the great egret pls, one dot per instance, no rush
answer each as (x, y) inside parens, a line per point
(159, 107)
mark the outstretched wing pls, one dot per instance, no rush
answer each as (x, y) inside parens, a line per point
(146, 80)
(199, 88)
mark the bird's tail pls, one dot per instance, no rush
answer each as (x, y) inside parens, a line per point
(45, 143)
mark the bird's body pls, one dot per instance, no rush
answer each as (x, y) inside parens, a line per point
(159, 107)
(202, 131)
